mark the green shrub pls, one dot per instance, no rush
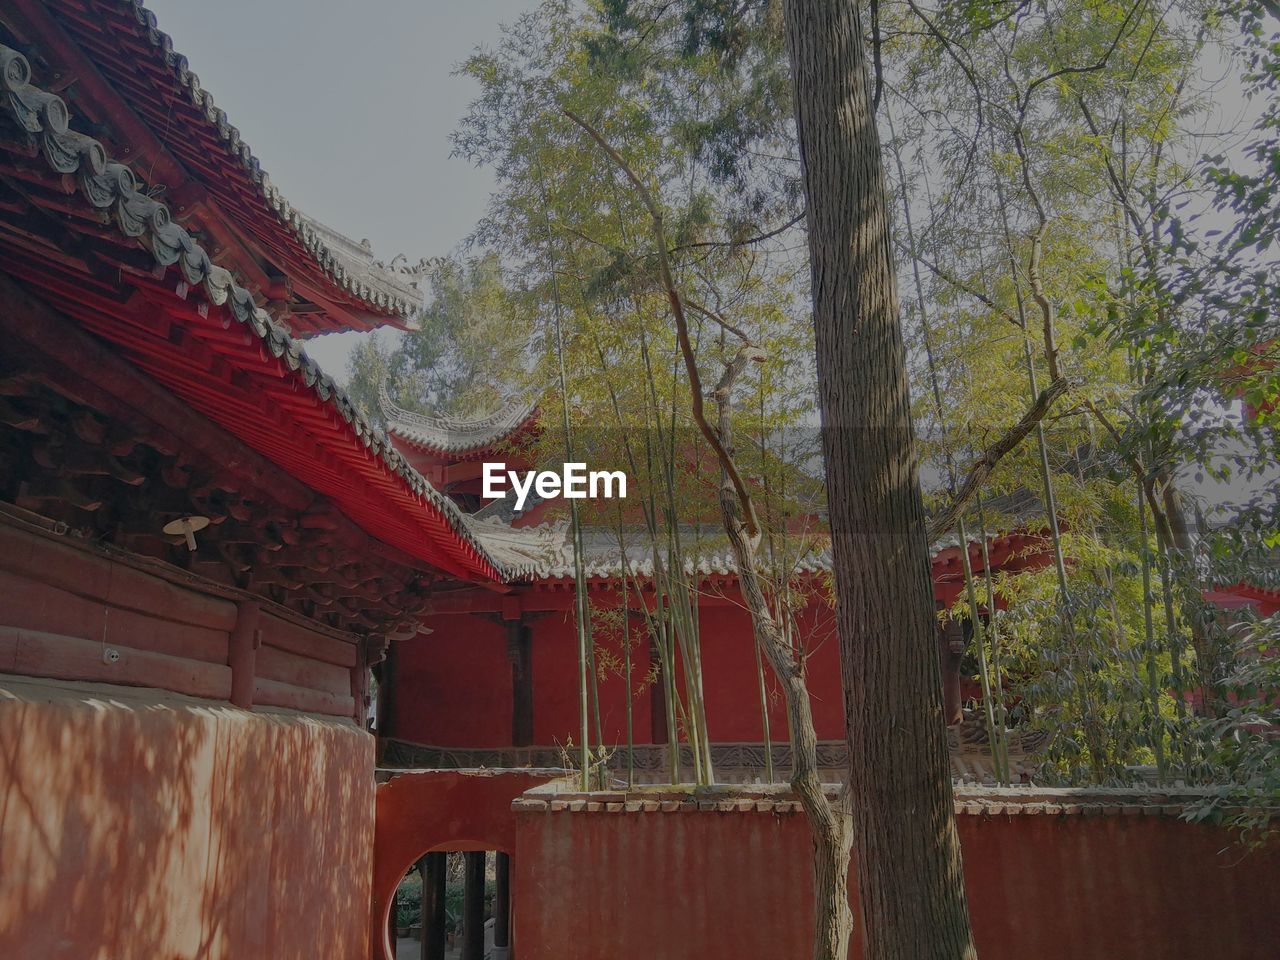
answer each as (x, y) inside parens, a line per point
(409, 901)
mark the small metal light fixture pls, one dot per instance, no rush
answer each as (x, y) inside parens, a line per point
(186, 528)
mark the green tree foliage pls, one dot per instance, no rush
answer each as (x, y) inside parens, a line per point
(1046, 156)
(579, 237)
(1049, 157)
(468, 351)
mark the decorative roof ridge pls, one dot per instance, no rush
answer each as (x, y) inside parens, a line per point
(338, 268)
(500, 526)
(542, 552)
(454, 434)
(109, 185)
(523, 552)
(397, 277)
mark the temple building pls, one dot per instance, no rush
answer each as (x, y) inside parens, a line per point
(260, 659)
(493, 682)
(204, 546)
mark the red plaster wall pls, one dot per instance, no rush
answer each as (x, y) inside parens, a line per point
(556, 690)
(732, 681)
(422, 811)
(140, 825)
(675, 886)
(733, 886)
(453, 685)
(555, 681)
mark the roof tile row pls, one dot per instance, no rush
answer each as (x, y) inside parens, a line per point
(393, 293)
(968, 802)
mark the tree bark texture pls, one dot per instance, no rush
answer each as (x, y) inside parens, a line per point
(910, 878)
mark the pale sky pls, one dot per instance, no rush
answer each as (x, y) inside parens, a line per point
(349, 106)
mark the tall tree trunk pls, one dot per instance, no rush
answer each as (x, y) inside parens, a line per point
(910, 878)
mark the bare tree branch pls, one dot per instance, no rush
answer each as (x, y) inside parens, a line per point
(749, 241)
(718, 318)
(1100, 64)
(954, 281)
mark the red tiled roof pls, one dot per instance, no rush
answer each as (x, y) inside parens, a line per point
(188, 325)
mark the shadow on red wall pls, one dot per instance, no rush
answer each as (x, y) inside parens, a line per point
(138, 824)
(420, 811)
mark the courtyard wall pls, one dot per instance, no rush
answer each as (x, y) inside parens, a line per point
(726, 876)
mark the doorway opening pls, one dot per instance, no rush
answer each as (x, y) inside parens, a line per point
(453, 906)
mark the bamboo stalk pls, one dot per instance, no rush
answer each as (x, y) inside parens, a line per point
(662, 635)
(574, 521)
(979, 640)
(1097, 753)
(1001, 748)
(1153, 670)
(625, 606)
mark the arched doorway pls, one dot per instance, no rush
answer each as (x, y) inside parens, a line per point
(454, 906)
(423, 812)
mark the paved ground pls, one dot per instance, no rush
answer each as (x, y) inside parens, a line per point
(409, 949)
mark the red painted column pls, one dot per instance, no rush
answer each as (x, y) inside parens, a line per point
(360, 684)
(242, 654)
(951, 651)
(433, 916)
(387, 693)
(657, 704)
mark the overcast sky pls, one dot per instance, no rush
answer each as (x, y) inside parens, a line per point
(349, 107)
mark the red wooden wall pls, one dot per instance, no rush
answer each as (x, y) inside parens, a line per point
(63, 605)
